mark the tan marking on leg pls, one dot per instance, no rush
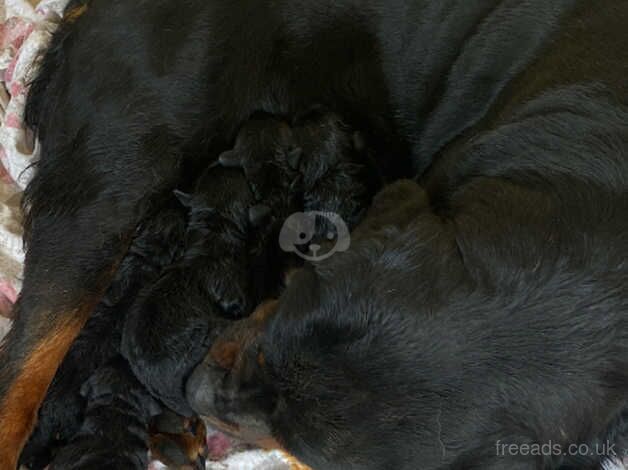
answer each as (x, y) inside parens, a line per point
(75, 14)
(192, 446)
(270, 444)
(18, 411)
(294, 463)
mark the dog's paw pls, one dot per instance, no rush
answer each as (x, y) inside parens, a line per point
(178, 442)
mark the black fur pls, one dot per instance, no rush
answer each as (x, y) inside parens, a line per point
(495, 311)
(159, 312)
(159, 243)
(114, 431)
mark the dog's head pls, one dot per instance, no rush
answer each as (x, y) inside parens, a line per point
(230, 388)
(320, 373)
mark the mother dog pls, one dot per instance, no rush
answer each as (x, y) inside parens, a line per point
(511, 113)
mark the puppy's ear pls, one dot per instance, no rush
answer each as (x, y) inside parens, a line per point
(184, 198)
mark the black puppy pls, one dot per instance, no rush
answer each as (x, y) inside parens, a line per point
(456, 94)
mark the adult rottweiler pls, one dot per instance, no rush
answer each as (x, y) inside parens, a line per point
(506, 290)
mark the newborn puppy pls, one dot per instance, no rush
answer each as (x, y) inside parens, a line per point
(113, 432)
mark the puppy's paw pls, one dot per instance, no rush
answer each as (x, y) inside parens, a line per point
(179, 443)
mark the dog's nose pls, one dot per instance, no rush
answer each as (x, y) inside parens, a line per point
(200, 389)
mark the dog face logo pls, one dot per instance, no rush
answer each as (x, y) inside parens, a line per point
(300, 228)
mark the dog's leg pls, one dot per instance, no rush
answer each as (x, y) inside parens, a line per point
(50, 314)
(73, 251)
(157, 245)
(40, 338)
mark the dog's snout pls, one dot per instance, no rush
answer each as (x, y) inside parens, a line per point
(201, 388)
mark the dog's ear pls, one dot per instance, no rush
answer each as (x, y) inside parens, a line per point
(184, 198)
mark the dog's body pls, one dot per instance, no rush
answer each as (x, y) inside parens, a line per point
(510, 113)
(456, 343)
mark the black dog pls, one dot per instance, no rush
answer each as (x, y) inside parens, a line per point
(511, 114)
(440, 342)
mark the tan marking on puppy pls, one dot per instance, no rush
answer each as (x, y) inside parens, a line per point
(192, 444)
